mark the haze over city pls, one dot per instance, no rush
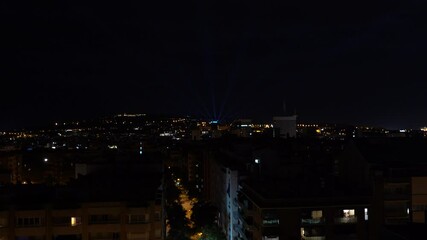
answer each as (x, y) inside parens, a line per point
(355, 63)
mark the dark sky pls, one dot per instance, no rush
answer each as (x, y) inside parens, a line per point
(357, 62)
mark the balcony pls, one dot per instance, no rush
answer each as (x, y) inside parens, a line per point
(345, 220)
(111, 221)
(105, 238)
(313, 238)
(240, 230)
(270, 222)
(270, 238)
(396, 220)
(104, 219)
(248, 223)
(249, 212)
(29, 222)
(236, 227)
(249, 235)
(395, 191)
(136, 227)
(397, 196)
(236, 213)
(312, 221)
(313, 233)
(242, 234)
(105, 235)
(66, 221)
(138, 218)
(245, 204)
(235, 203)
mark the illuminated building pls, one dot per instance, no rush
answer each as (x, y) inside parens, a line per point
(220, 181)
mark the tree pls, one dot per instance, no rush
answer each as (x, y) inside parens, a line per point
(204, 214)
(212, 232)
(178, 222)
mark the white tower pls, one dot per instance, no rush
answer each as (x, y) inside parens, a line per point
(286, 125)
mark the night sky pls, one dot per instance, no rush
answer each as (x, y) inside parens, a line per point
(356, 62)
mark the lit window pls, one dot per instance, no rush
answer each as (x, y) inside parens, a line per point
(75, 221)
(316, 214)
(348, 212)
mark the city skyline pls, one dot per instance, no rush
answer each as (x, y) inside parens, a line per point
(331, 62)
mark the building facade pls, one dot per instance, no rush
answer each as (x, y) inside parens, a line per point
(86, 221)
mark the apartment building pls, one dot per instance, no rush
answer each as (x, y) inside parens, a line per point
(94, 221)
(277, 216)
(109, 205)
(397, 172)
